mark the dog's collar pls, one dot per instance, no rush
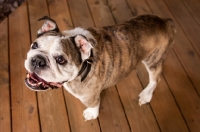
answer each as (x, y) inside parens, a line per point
(86, 66)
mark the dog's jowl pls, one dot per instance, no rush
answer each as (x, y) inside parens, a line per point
(86, 61)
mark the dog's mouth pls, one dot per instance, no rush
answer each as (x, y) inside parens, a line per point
(34, 82)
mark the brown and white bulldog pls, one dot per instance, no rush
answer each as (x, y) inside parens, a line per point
(86, 61)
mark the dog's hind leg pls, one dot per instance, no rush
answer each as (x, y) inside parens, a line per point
(153, 65)
(154, 62)
(154, 76)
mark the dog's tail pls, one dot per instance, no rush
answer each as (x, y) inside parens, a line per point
(170, 32)
(171, 29)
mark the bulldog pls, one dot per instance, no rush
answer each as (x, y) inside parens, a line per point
(86, 61)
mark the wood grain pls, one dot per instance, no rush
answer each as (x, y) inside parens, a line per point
(80, 13)
(5, 117)
(23, 100)
(120, 10)
(146, 121)
(193, 8)
(192, 33)
(185, 22)
(81, 17)
(183, 92)
(141, 118)
(37, 9)
(53, 114)
(175, 104)
(183, 48)
(112, 116)
(75, 111)
(139, 8)
(163, 104)
(110, 119)
(59, 11)
(101, 13)
(188, 103)
(52, 109)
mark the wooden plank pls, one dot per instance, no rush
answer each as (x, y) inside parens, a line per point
(120, 10)
(141, 119)
(5, 117)
(80, 13)
(59, 11)
(75, 113)
(183, 91)
(130, 116)
(23, 100)
(110, 119)
(125, 95)
(186, 96)
(101, 13)
(138, 7)
(164, 106)
(192, 32)
(183, 48)
(161, 113)
(80, 17)
(185, 21)
(194, 8)
(37, 9)
(53, 114)
(74, 107)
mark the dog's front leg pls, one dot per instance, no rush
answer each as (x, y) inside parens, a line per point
(91, 113)
(92, 103)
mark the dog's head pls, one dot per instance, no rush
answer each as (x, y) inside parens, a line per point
(55, 57)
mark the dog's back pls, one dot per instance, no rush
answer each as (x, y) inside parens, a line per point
(123, 46)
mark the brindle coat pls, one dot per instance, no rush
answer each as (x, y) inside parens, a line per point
(118, 49)
(105, 55)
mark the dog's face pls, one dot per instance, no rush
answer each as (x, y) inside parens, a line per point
(54, 58)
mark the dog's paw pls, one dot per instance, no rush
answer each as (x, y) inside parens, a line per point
(91, 113)
(145, 97)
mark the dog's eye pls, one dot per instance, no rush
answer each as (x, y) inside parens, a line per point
(34, 45)
(60, 60)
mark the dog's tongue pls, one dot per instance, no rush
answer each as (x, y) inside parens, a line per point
(56, 84)
(35, 80)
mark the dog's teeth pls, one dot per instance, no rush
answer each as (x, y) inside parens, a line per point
(39, 83)
(28, 76)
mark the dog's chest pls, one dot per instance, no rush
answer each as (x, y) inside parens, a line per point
(74, 91)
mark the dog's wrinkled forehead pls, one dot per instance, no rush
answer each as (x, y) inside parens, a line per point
(50, 46)
(47, 41)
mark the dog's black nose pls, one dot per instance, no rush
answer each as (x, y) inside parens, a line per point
(38, 62)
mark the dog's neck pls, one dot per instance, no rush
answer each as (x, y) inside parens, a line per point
(86, 67)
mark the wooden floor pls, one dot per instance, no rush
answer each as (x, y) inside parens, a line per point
(175, 106)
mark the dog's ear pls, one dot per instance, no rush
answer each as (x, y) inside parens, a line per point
(83, 45)
(49, 25)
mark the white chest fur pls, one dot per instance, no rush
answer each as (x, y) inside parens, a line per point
(71, 91)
